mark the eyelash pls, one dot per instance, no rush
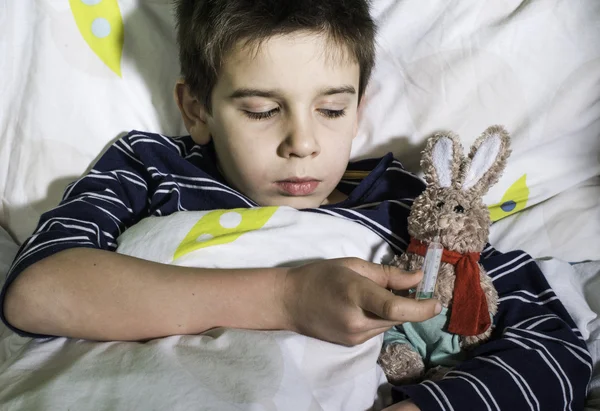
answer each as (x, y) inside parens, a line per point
(268, 114)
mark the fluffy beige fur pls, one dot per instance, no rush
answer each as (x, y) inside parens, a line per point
(467, 231)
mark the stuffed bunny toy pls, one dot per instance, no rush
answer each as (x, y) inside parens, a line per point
(450, 211)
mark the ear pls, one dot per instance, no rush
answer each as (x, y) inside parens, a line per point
(193, 112)
(487, 160)
(441, 160)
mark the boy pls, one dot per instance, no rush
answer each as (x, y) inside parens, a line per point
(269, 96)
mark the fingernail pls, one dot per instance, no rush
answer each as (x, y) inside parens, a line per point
(438, 308)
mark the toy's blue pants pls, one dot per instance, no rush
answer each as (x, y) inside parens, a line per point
(436, 347)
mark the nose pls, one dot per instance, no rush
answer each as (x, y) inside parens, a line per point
(300, 141)
(443, 222)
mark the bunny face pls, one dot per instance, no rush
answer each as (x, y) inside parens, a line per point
(452, 205)
(461, 220)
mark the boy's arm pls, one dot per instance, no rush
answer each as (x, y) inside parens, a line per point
(537, 359)
(93, 212)
(102, 295)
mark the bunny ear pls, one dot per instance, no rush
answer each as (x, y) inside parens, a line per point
(441, 160)
(486, 160)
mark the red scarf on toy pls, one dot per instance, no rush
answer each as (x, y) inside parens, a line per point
(469, 314)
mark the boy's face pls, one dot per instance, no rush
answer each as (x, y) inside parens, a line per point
(283, 120)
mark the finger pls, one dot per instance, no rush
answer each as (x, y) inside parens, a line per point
(375, 322)
(404, 280)
(387, 306)
(387, 276)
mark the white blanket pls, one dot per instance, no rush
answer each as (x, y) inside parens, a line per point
(222, 369)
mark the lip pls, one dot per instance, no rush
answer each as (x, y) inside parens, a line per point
(295, 186)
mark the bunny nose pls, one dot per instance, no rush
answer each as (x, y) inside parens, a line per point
(443, 222)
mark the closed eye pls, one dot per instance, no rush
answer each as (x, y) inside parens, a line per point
(332, 113)
(262, 115)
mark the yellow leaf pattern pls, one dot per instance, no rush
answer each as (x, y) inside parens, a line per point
(514, 200)
(222, 227)
(101, 25)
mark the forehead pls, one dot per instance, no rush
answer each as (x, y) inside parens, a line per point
(295, 63)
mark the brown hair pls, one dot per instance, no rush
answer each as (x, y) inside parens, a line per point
(208, 29)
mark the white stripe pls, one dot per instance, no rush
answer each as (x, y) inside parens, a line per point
(149, 140)
(144, 186)
(100, 176)
(535, 318)
(516, 297)
(126, 145)
(538, 322)
(126, 153)
(89, 230)
(203, 179)
(45, 244)
(96, 229)
(399, 202)
(549, 290)
(124, 174)
(513, 374)
(173, 143)
(376, 224)
(79, 199)
(441, 392)
(487, 390)
(194, 155)
(114, 217)
(554, 370)
(109, 199)
(512, 269)
(508, 263)
(233, 193)
(547, 337)
(92, 176)
(408, 173)
(399, 169)
(589, 365)
(387, 240)
(435, 396)
(176, 189)
(474, 387)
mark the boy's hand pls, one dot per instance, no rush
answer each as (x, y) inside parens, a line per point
(346, 300)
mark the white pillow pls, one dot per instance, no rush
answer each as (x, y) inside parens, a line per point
(533, 67)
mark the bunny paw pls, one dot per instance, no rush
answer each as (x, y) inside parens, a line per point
(401, 364)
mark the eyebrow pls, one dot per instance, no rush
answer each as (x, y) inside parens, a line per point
(253, 92)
